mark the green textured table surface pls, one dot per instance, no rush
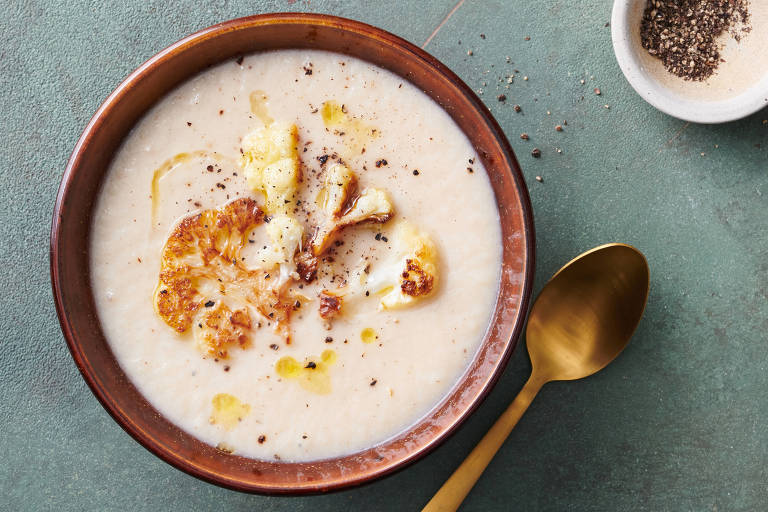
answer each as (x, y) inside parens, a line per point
(677, 422)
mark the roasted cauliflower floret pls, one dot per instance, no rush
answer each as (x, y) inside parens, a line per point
(204, 283)
(285, 234)
(344, 206)
(271, 164)
(411, 273)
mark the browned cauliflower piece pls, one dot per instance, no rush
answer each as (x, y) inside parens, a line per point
(204, 283)
(410, 274)
(345, 206)
(221, 328)
(330, 306)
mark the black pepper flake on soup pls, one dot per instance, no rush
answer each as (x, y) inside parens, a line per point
(311, 365)
(470, 170)
(328, 339)
(274, 346)
(322, 159)
(381, 162)
(209, 168)
(239, 60)
(209, 304)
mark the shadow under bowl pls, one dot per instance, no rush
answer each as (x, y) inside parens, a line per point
(80, 187)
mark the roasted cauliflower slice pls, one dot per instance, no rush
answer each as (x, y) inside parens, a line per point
(410, 274)
(271, 164)
(344, 206)
(203, 282)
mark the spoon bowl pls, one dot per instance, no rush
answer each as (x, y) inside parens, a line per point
(587, 312)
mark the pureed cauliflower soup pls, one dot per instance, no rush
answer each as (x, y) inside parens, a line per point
(295, 255)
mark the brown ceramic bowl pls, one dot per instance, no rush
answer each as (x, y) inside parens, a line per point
(88, 165)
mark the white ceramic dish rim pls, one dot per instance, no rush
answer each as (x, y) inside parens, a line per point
(669, 102)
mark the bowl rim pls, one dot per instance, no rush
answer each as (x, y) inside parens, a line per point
(749, 101)
(166, 453)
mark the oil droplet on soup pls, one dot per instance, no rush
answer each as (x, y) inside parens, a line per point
(259, 107)
(228, 411)
(368, 335)
(333, 113)
(354, 132)
(288, 368)
(313, 375)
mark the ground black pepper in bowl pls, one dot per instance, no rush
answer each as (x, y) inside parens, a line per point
(684, 33)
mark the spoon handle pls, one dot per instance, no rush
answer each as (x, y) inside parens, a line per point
(456, 488)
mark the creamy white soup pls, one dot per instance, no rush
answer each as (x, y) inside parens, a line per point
(295, 255)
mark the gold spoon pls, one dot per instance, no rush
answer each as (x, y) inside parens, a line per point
(582, 319)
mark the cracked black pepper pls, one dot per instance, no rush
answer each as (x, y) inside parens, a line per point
(685, 34)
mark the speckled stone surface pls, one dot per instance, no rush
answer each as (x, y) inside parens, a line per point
(678, 422)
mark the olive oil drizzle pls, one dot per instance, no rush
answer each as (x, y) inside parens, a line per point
(313, 375)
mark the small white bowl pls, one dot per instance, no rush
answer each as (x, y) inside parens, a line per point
(636, 64)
